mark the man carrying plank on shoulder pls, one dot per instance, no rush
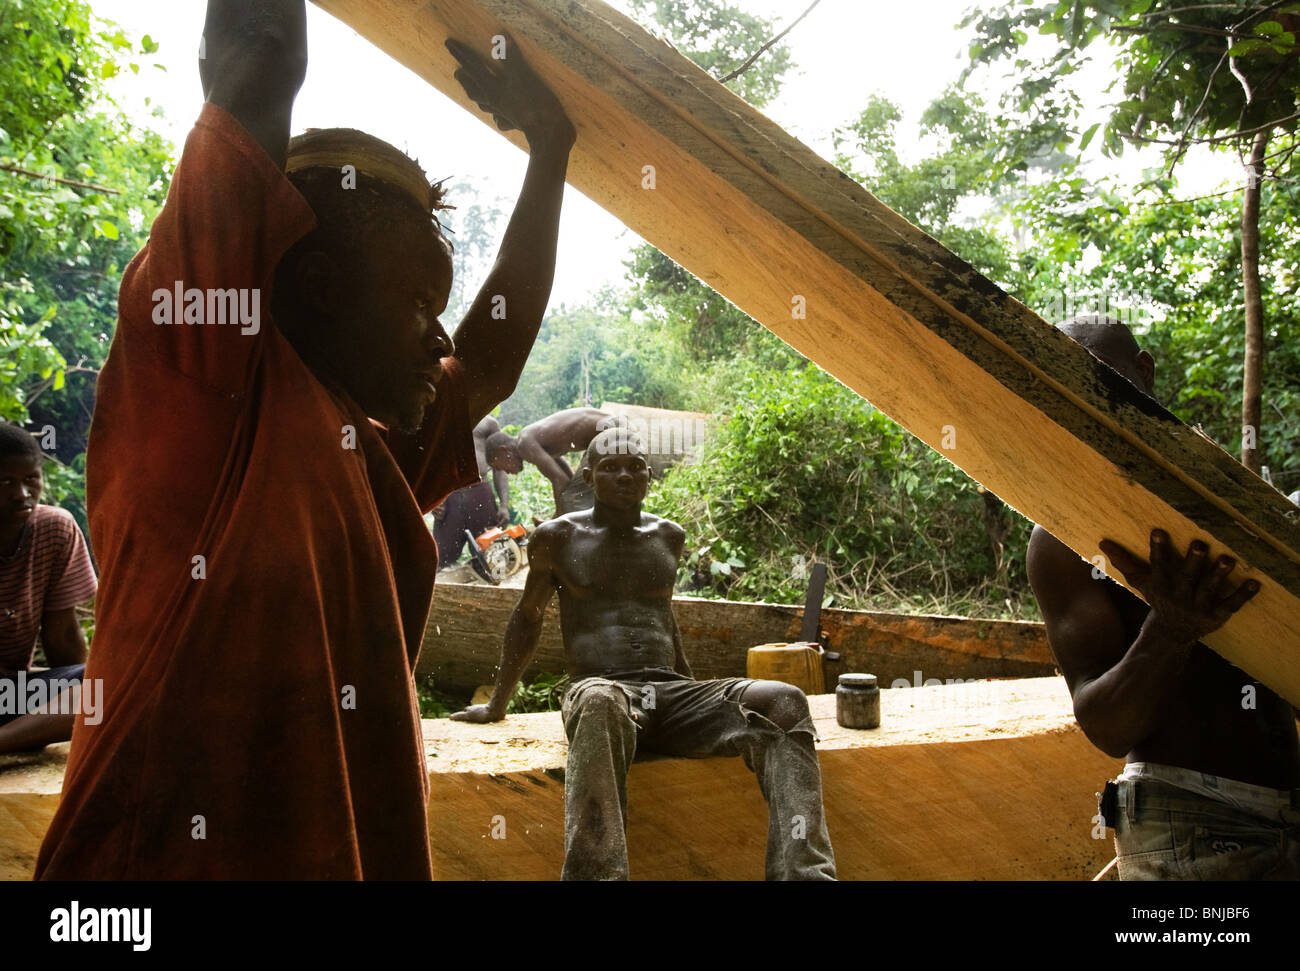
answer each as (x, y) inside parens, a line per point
(1211, 788)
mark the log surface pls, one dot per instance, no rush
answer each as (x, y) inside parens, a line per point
(462, 644)
(990, 780)
(803, 249)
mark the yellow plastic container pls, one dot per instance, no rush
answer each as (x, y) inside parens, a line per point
(799, 664)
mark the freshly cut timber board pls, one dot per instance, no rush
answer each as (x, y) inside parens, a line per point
(887, 310)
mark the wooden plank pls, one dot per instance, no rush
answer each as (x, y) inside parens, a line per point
(890, 312)
(462, 643)
(965, 782)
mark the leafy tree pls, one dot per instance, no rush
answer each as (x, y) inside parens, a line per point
(973, 163)
(804, 469)
(78, 188)
(475, 227)
(719, 37)
(1219, 74)
(593, 354)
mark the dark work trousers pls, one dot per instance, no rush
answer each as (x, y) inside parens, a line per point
(474, 508)
(606, 720)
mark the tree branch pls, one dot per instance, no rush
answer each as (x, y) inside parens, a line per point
(1217, 139)
(755, 56)
(54, 178)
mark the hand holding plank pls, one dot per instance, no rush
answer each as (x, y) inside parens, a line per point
(1188, 595)
(511, 93)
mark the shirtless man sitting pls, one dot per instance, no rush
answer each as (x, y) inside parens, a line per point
(545, 443)
(614, 567)
(1209, 790)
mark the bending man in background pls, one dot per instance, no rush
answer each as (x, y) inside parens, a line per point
(473, 507)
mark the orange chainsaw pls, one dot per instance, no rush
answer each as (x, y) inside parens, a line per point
(499, 553)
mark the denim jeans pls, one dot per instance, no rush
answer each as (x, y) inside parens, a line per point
(1167, 832)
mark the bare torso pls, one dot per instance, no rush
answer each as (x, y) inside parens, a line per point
(1201, 713)
(1208, 728)
(616, 589)
(563, 432)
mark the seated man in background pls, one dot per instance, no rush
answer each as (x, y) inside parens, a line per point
(472, 507)
(45, 573)
(545, 443)
(1209, 790)
(614, 567)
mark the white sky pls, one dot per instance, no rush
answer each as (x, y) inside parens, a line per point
(844, 51)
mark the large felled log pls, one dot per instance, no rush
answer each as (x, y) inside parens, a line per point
(872, 299)
(990, 780)
(462, 643)
(30, 784)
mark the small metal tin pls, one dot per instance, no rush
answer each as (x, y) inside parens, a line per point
(857, 701)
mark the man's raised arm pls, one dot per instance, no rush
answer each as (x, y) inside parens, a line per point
(524, 628)
(252, 62)
(502, 482)
(497, 334)
(1120, 689)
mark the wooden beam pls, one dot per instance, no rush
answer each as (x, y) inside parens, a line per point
(886, 309)
(462, 643)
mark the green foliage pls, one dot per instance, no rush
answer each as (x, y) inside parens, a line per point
(719, 37)
(1182, 257)
(593, 354)
(803, 470)
(1199, 68)
(63, 247)
(974, 159)
(434, 703)
(544, 694)
(531, 493)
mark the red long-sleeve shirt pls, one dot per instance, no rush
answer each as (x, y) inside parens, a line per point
(260, 719)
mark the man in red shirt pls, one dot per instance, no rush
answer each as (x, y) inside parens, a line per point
(266, 572)
(45, 573)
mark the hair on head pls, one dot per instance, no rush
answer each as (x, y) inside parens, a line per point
(17, 442)
(499, 440)
(1100, 333)
(618, 440)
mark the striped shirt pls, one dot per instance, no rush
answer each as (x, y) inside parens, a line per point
(50, 570)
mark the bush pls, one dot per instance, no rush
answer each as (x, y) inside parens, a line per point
(805, 469)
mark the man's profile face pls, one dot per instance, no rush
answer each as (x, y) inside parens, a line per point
(393, 342)
(619, 480)
(507, 459)
(20, 488)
